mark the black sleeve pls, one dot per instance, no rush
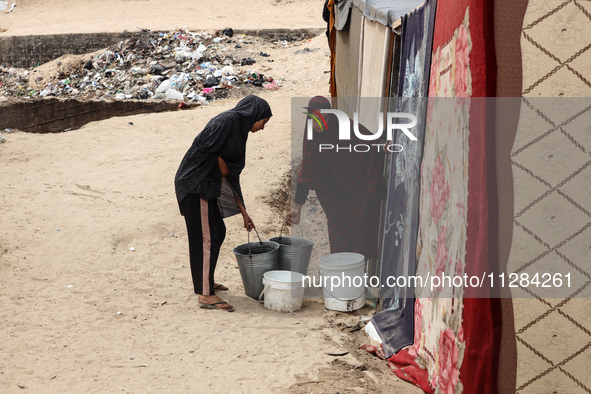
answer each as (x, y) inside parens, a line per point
(301, 195)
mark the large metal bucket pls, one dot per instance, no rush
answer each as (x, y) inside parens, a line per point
(254, 259)
(294, 252)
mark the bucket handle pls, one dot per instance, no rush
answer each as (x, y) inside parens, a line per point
(248, 238)
(263, 293)
(300, 227)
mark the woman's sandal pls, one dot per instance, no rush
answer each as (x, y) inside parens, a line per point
(213, 306)
(220, 287)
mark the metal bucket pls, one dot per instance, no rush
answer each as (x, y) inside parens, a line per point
(254, 259)
(294, 253)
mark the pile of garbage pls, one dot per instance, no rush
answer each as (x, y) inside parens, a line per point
(190, 67)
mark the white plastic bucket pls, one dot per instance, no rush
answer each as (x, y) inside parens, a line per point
(283, 290)
(343, 281)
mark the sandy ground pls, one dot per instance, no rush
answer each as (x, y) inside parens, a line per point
(83, 312)
(89, 16)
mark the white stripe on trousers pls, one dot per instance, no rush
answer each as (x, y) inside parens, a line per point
(205, 231)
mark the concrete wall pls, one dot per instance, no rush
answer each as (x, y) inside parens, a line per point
(55, 115)
(27, 51)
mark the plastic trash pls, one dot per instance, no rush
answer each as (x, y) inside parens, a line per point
(138, 71)
(371, 331)
(174, 95)
(4, 5)
(164, 86)
(106, 57)
(247, 61)
(271, 85)
(198, 100)
(211, 81)
(196, 55)
(182, 57)
(157, 69)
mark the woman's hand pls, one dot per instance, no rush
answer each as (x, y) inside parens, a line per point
(248, 223)
(223, 167)
(295, 214)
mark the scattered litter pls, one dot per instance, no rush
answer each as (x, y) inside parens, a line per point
(247, 61)
(177, 65)
(2, 139)
(337, 353)
(371, 331)
(306, 50)
(271, 85)
(4, 6)
(70, 286)
(132, 249)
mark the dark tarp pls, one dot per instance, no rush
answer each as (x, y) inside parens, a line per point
(395, 322)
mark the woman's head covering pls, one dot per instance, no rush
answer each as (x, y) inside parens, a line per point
(253, 109)
(315, 105)
(319, 102)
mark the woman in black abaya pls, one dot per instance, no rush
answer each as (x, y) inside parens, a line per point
(207, 186)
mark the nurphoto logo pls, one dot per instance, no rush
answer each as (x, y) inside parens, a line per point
(344, 123)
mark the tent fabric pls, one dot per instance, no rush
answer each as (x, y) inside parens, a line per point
(332, 45)
(386, 12)
(374, 72)
(508, 20)
(347, 53)
(551, 204)
(455, 334)
(555, 49)
(342, 12)
(395, 322)
(347, 56)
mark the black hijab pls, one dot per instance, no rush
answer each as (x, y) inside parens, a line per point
(224, 136)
